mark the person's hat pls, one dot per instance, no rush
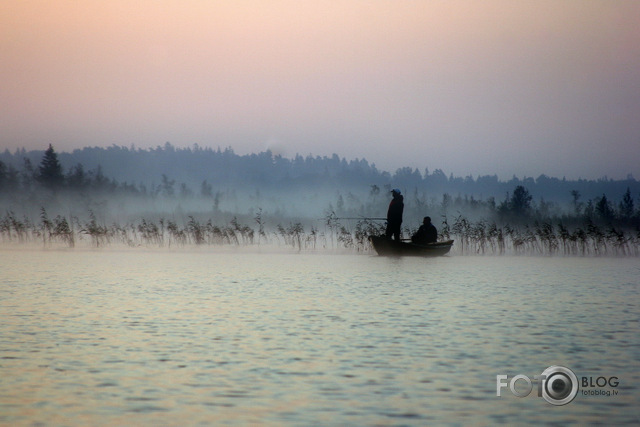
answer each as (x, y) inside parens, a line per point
(396, 190)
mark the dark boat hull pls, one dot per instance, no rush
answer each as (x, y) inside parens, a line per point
(384, 246)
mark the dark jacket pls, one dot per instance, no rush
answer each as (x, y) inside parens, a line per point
(427, 233)
(396, 207)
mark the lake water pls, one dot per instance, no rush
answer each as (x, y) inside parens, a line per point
(188, 337)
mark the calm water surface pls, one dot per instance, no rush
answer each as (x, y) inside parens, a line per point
(136, 337)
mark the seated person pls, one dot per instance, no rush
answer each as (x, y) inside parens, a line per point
(427, 233)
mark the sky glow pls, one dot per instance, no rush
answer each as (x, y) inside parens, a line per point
(480, 88)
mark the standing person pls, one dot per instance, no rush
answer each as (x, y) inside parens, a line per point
(427, 232)
(394, 215)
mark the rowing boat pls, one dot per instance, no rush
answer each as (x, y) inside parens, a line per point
(384, 246)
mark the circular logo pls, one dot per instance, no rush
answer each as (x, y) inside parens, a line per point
(559, 386)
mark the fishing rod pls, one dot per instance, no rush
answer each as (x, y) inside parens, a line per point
(366, 218)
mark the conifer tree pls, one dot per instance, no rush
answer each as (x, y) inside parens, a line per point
(50, 170)
(626, 205)
(520, 203)
(604, 209)
(3, 175)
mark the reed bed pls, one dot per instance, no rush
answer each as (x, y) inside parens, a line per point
(542, 238)
(481, 237)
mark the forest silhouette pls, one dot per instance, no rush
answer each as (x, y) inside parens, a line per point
(171, 196)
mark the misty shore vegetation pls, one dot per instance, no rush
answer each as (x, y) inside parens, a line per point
(306, 204)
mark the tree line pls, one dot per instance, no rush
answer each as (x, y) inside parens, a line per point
(355, 189)
(197, 171)
(50, 175)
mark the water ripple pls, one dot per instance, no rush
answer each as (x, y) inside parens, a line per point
(206, 338)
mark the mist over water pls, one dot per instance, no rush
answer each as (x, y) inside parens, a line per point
(262, 301)
(265, 198)
(228, 335)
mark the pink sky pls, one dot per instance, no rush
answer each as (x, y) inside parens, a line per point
(470, 87)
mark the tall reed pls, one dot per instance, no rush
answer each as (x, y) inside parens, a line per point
(481, 237)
